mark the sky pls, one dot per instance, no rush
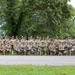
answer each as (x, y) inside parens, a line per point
(72, 2)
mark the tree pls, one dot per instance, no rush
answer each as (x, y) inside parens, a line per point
(33, 17)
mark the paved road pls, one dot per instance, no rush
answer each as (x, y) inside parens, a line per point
(38, 60)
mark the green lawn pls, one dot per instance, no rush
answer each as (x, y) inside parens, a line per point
(36, 70)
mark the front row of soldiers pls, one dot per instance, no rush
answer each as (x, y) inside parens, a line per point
(37, 46)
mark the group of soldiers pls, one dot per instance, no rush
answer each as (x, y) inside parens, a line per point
(37, 46)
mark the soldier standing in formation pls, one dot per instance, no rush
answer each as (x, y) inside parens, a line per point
(37, 46)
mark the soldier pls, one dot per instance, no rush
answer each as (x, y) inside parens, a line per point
(37, 45)
(72, 51)
(69, 47)
(61, 48)
(17, 39)
(70, 40)
(1, 40)
(43, 46)
(29, 47)
(2, 48)
(17, 48)
(23, 40)
(31, 39)
(48, 41)
(7, 48)
(23, 48)
(7, 40)
(52, 48)
(12, 42)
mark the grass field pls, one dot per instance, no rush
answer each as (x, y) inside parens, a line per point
(36, 70)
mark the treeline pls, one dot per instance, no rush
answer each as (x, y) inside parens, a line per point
(37, 17)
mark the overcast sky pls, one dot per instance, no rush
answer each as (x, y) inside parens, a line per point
(72, 2)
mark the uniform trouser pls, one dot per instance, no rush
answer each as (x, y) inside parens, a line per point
(52, 52)
(12, 49)
(43, 51)
(62, 51)
(1, 51)
(28, 51)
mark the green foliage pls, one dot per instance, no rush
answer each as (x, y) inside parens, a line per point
(33, 17)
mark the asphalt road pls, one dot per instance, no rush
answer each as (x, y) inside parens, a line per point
(38, 60)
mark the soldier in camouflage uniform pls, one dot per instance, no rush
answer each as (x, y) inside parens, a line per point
(37, 45)
(52, 48)
(2, 48)
(43, 46)
(12, 42)
(7, 48)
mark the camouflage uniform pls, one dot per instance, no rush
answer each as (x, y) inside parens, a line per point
(29, 47)
(7, 48)
(1, 48)
(52, 48)
(43, 47)
(61, 48)
(12, 42)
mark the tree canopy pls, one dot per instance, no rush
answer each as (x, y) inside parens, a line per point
(37, 17)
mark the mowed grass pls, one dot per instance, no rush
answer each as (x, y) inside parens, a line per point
(36, 70)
